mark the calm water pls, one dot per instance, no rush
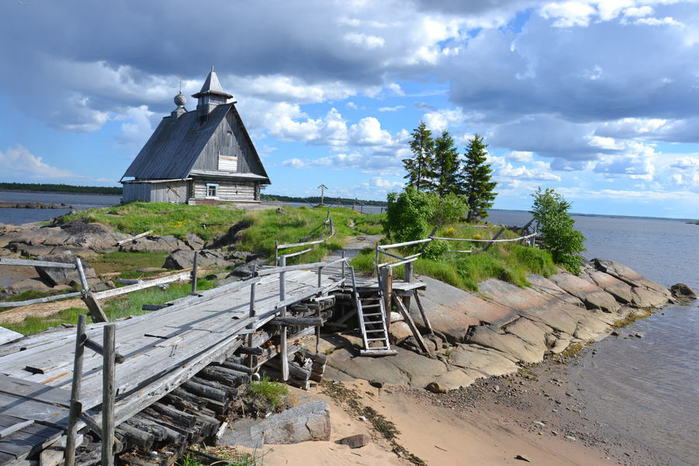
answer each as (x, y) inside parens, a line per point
(76, 201)
(648, 387)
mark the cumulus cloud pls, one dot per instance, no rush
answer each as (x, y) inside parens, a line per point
(18, 163)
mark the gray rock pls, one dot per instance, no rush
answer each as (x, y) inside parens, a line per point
(53, 276)
(154, 244)
(309, 421)
(184, 259)
(510, 345)
(355, 441)
(28, 284)
(194, 241)
(400, 331)
(246, 270)
(683, 292)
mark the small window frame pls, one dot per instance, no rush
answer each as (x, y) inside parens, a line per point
(215, 187)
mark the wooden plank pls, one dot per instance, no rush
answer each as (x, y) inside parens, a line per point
(108, 395)
(295, 245)
(18, 406)
(140, 235)
(406, 243)
(140, 286)
(413, 328)
(33, 263)
(8, 336)
(7, 431)
(34, 391)
(45, 299)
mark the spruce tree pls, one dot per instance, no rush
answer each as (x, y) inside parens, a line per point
(478, 187)
(445, 167)
(419, 165)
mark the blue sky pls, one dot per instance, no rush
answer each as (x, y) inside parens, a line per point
(598, 99)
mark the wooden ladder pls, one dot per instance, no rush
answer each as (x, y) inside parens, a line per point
(372, 322)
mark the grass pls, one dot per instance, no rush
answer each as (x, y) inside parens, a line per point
(117, 308)
(220, 456)
(274, 392)
(257, 229)
(509, 262)
(206, 221)
(128, 263)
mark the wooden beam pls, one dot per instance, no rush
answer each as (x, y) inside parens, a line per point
(143, 285)
(33, 263)
(108, 394)
(46, 299)
(140, 235)
(297, 321)
(413, 328)
(407, 243)
(428, 325)
(283, 343)
(75, 405)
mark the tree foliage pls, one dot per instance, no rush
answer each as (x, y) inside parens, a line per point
(411, 214)
(447, 177)
(558, 236)
(419, 166)
(478, 185)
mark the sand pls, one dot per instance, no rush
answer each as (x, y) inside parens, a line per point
(438, 435)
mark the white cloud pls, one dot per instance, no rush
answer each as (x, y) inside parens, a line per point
(442, 119)
(568, 14)
(368, 132)
(19, 164)
(364, 40)
(137, 127)
(391, 109)
(520, 156)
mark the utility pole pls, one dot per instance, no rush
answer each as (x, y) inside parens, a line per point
(322, 188)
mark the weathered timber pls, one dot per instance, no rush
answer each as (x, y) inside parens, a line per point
(45, 299)
(33, 263)
(297, 321)
(413, 328)
(425, 319)
(108, 394)
(141, 438)
(206, 391)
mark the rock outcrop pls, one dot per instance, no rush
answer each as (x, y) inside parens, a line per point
(683, 293)
(504, 327)
(308, 421)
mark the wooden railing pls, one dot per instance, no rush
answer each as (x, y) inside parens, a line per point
(328, 223)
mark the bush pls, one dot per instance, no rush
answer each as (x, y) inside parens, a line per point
(435, 250)
(412, 214)
(558, 236)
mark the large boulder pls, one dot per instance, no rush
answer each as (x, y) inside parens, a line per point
(53, 276)
(184, 259)
(309, 421)
(682, 292)
(154, 244)
(510, 345)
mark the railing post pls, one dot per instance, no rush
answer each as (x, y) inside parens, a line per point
(276, 253)
(343, 264)
(253, 312)
(408, 272)
(88, 298)
(320, 276)
(75, 405)
(108, 359)
(194, 273)
(387, 290)
(283, 343)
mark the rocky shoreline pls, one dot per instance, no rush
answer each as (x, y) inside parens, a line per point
(33, 205)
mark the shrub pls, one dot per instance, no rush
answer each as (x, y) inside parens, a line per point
(558, 236)
(435, 250)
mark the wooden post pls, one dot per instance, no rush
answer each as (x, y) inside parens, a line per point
(283, 343)
(108, 395)
(88, 298)
(387, 291)
(343, 264)
(408, 272)
(276, 253)
(194, 273)
(251, 326)
(75, 405)
(422, 312)
(320, 277)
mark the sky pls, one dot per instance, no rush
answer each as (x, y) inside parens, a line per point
(597, 99)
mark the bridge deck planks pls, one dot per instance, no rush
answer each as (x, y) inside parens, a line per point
(161, 349)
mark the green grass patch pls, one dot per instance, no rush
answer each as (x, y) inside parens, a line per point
(274, 392)
(117, 308)
(127, 263)
(509, 262)
(206, 221)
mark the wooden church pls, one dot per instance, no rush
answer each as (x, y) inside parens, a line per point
(198, 157)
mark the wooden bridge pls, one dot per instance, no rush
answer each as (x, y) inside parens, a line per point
(158, 352)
